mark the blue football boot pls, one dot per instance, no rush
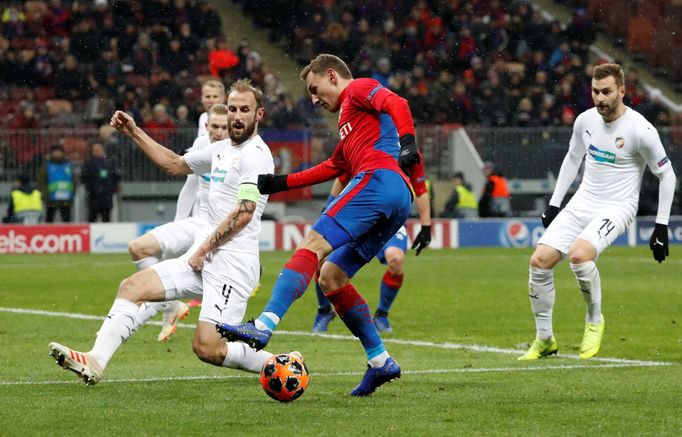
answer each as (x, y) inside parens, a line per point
(322, 321)
(376, 376)
(246, 333)
(382, 323)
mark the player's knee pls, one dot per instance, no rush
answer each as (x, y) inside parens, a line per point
(131, 288)
(207, 352)
(135, 250)
(579, 256)
(330, 282)
(582, 252)
(395, 262)
(540, 261)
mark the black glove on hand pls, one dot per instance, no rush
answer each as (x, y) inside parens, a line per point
(658, 243)
(423, 239)
(272, 183)
(549, 215)
(409, 155)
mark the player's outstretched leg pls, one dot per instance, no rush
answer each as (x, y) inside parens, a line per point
(119, 324)
(390, 285)
(290, 285)
(355, 313)
(325, 311)
(82, 364)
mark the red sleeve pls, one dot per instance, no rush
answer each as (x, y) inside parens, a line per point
(370, 94)
(417, 177)
(322, 172)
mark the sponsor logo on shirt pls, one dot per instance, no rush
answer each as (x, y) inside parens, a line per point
(663, 161)
(345, 130)
(620, 142)
(601, 155)
(218, 175)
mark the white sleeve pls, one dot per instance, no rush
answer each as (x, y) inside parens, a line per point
(187, 197)
(254, 161)
(651, 149)
(199, 160)
(570, 165)
(203, 119)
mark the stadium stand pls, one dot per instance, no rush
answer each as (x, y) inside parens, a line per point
(484, 64)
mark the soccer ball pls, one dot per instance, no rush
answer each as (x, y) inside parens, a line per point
(284, 377)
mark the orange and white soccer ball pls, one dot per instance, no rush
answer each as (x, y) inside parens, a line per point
(284, 377)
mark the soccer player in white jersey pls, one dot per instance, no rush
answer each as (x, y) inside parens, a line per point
(173, 239)
(617, 143)
(222, 263)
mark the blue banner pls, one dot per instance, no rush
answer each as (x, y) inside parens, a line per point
(646, 226)
(507, 233)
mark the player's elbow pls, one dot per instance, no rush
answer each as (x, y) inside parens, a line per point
(174, 167)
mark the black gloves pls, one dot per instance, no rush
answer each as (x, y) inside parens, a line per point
(409, 155)
(272, 183)
(658, 243)
(423, 239)
(549, 215)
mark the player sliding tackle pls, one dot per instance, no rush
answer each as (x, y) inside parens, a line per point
(375, 129)
(222, 264)
(617, 143)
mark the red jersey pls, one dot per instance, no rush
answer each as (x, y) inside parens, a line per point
(371, 121)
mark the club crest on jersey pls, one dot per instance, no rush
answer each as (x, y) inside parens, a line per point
(601, 155)
(218, 175)
(345, 130)
(620, 142)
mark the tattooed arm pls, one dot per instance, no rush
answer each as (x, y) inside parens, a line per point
(235, 222)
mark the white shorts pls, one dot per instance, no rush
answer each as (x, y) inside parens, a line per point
(225, 283)
(598, 226)
(175, 238)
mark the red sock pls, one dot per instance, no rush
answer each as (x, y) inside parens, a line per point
(393, 281)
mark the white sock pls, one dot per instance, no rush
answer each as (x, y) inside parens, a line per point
(267, 321)
(150, 309)
(117, 327)
(241, 356)
(379, 360)
(589, 282)
(542, 295)
(146, 262)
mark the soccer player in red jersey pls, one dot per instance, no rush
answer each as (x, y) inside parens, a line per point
(376, 133)
(392, 255)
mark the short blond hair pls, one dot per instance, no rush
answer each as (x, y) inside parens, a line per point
(605, 70)
(212, 83)
(324, 62)
(218, 109)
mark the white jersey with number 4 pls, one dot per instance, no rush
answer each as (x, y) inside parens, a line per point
(231, 166)
(615, 156)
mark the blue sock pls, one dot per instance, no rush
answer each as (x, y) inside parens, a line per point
(388, 290)
(290, 284)
(355, 313)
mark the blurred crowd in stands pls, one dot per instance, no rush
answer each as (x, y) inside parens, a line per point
(70, 63)
(476, 62)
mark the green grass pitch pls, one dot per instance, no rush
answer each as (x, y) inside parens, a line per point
(457, 320)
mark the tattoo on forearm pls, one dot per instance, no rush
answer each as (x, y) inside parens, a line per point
(233, 224)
